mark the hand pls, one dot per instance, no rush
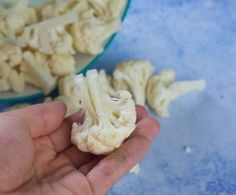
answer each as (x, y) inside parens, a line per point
(36, 155)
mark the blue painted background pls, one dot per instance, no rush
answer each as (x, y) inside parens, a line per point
(197, 38)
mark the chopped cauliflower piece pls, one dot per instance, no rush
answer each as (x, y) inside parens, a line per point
(90, 34)
(16, 81)
(106, 82)
(62, 65)
(108, 121)
(133, 76)
(36, 64)
(163, 89)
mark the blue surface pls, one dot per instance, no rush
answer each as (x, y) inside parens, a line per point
(197, 38)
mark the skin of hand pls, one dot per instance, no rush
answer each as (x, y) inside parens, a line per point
(37, 157)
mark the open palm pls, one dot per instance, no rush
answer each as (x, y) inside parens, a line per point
(36, 155)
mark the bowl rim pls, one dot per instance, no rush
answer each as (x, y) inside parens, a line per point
(83, 70)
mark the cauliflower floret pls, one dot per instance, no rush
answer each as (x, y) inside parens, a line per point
(10, 54)
(37, 66)
(106, 82)
(90, 34)
(17, 81)
(133, 75)
(163, 89)
(62, 65)
(108, 121)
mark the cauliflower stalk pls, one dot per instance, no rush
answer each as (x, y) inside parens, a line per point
(133, 75)
(98, 21)
(163, 89)
(108, 121)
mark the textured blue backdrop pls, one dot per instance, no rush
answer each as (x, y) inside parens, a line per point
(197, 38)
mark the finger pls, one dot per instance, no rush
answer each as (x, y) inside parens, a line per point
(109, 170)
(141, 112)
(61, 137)
(90, 165)
(41, 119)
(148, 127)
(77, 157)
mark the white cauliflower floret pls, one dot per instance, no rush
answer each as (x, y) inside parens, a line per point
(106, 82)
(62, 65)
(108, 121)
(90, 34)
(17, 81)
(163, 89)
(10, 54)
(133, 75)
(37, 66)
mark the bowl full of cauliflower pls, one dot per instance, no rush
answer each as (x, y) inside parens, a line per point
(44, 41)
